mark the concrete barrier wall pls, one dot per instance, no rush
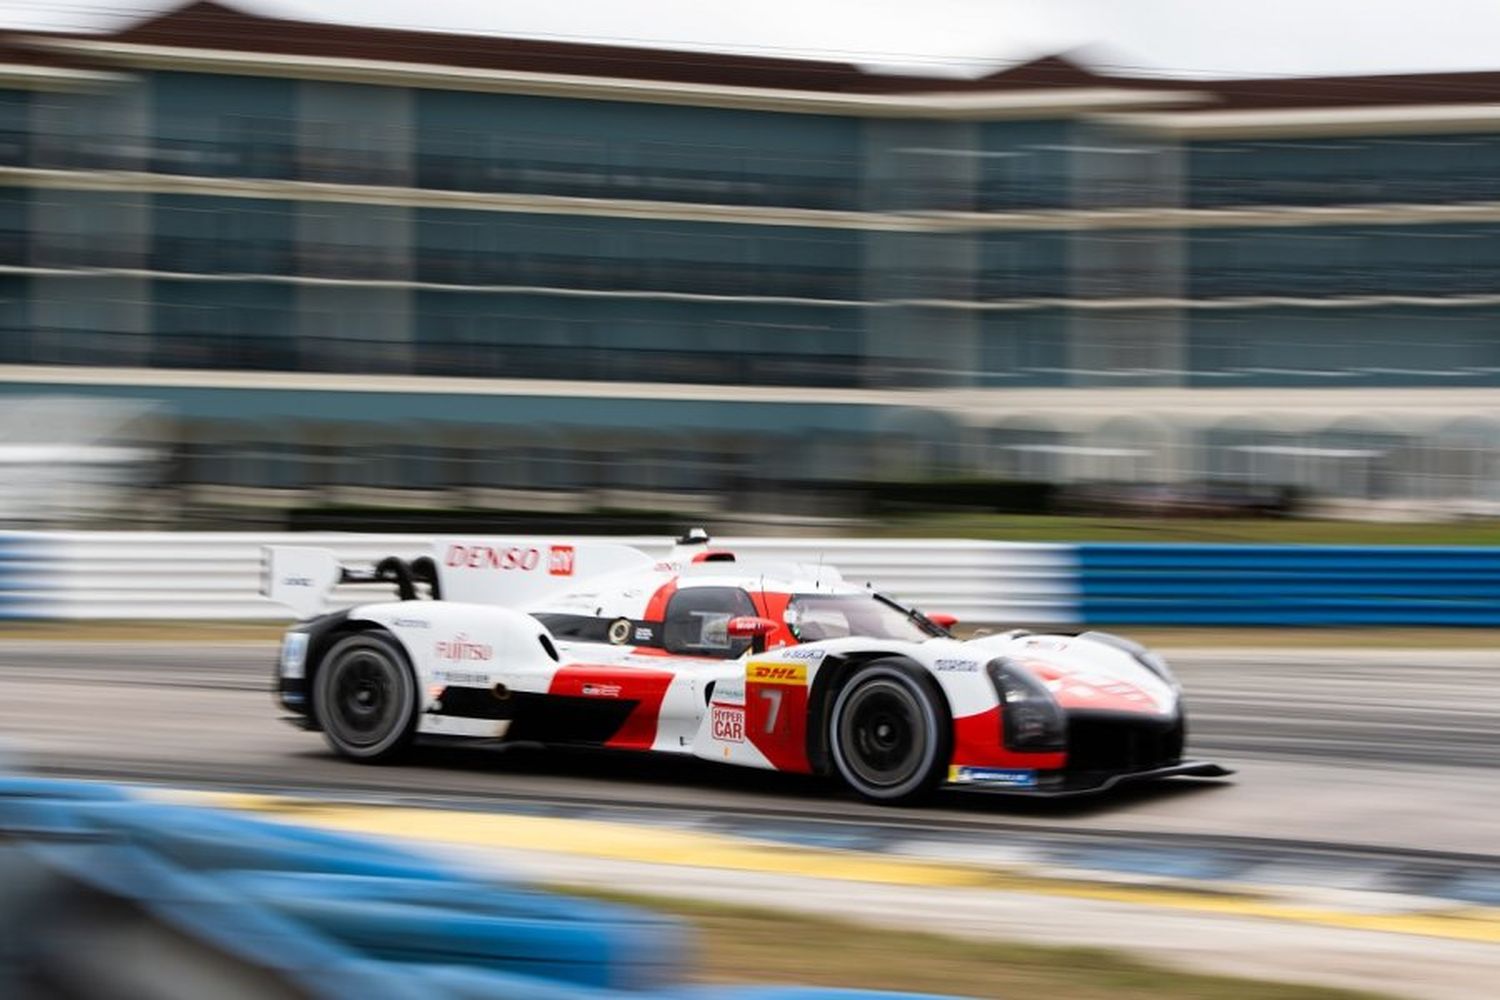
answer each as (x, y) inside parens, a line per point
(1288, 585)
(129, 575)
(137, 575)
(26, 560)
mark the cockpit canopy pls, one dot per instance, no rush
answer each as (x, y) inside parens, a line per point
(695, 620)
(814, 617)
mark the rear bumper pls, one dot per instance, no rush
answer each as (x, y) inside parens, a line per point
(1061, 784)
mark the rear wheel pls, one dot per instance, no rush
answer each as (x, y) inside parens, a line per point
(889, 733)
(365, 698)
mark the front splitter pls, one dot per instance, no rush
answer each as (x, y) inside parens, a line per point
(1096, 782)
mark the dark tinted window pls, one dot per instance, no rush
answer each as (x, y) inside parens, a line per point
(584, 627)
(698, 620)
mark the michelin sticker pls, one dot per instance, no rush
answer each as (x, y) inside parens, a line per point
(1010, 777)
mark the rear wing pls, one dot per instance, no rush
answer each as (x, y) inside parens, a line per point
(302, 578)
(502, 571)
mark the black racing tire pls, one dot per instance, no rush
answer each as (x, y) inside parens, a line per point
(365, 698)
(890, 733)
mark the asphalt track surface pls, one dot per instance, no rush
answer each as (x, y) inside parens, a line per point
(1377, 748)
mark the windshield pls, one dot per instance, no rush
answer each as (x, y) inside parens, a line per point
(810, 617)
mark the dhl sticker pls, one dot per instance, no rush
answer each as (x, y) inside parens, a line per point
(776, 673)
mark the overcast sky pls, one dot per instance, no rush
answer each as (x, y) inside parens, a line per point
(966, 37)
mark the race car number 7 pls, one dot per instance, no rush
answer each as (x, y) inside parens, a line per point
(772, 695)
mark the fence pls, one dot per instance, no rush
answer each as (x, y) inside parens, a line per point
(124, 575)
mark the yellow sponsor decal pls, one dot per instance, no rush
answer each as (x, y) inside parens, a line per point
(776, 673)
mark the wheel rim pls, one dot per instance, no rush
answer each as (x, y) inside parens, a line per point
(882, 735)
(366, 702)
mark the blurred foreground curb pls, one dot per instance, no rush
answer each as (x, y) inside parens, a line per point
(108, 895)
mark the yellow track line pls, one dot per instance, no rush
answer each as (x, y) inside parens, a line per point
(664, 845)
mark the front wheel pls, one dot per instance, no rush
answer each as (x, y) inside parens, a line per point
(365, 698)
(889, 733)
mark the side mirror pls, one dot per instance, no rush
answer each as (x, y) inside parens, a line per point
(943, 621)
(752, 628)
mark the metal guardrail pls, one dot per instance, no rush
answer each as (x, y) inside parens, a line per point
(1167, 584)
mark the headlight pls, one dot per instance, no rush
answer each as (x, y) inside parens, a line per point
(1030, 718)
(293, 654)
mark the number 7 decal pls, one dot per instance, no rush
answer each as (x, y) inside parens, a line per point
(776, 713)
(773, 711)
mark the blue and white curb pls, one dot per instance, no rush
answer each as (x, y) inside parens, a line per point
(296, 911)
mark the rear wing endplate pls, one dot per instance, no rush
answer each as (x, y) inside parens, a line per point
(301, 578)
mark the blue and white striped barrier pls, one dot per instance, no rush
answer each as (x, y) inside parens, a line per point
(264, 909)
(1316, 585)
(24, 559)
(216, 576)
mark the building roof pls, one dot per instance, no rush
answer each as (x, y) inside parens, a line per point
(30, 68)
(14, 52)
(1356, 91)
(209, 27)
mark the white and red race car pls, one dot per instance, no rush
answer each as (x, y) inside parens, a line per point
(781, 666)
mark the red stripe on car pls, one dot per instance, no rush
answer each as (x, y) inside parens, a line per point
(646, 688)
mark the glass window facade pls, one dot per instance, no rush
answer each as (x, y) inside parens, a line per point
(15, 128)
(1024, 265)
(607, 254)
(223, 126)
(597, 149)
(1344, 170)
(236, 325)
(542, 337)
(1329, 261)
(215, 221)
(1396, 346)
(1024, 349)
(1025, 165)
(15, 226)
(250, 236)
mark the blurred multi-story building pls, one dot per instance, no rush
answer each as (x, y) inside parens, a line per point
(349, 258)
